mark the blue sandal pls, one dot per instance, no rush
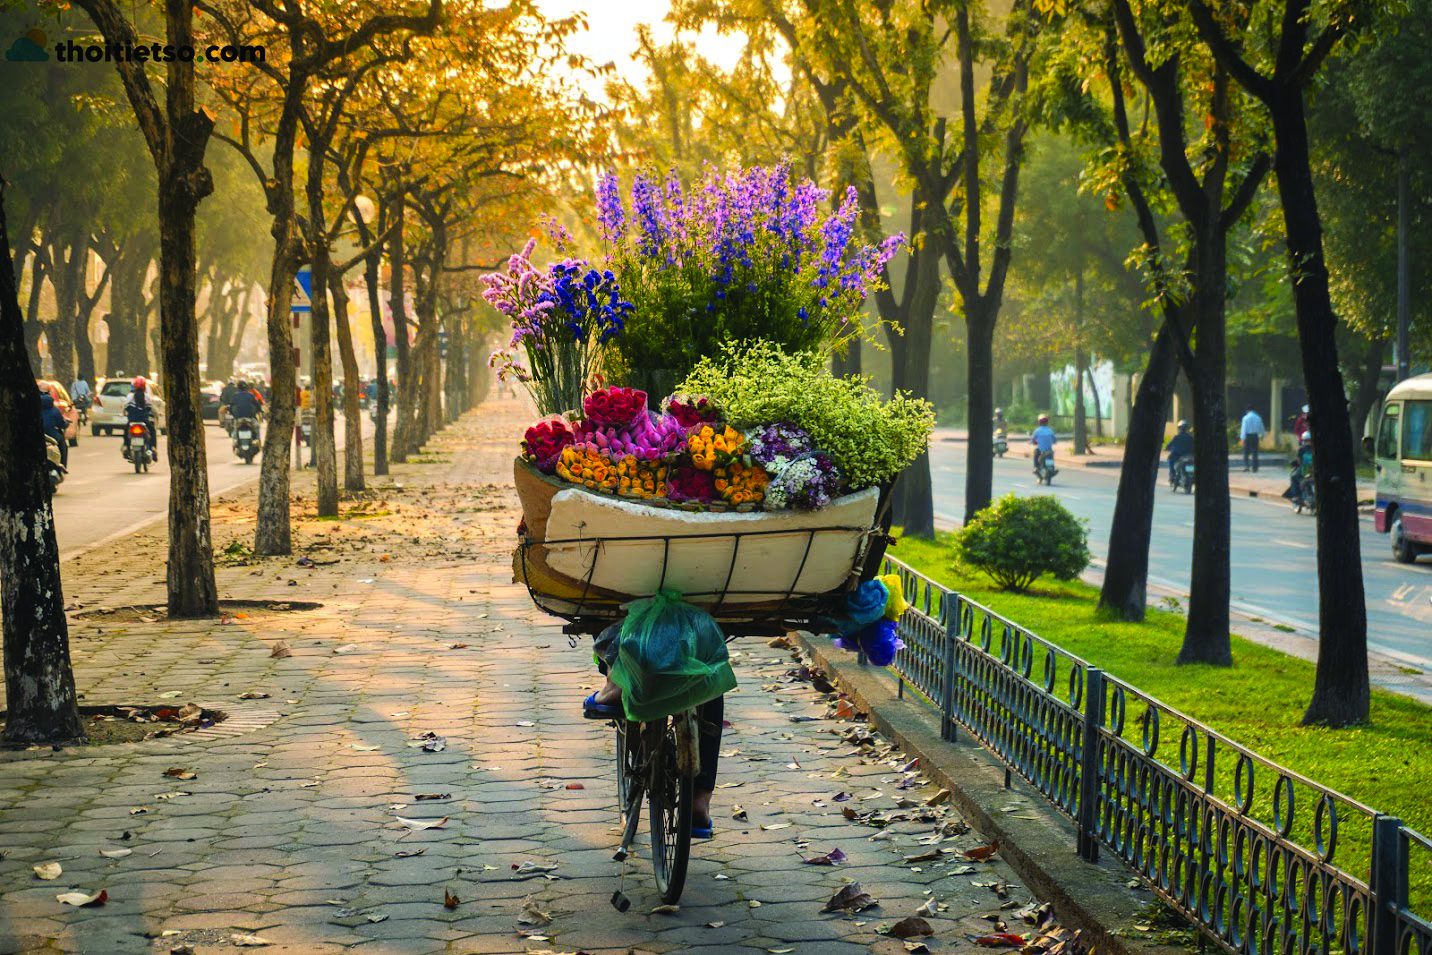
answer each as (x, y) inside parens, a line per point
(593, 710)
(700, 832)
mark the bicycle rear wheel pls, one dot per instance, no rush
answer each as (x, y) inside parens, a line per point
(670, 815)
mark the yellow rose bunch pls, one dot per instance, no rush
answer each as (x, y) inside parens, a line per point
(710, 447)
(588, 467)
(739, 483)
(641, 479)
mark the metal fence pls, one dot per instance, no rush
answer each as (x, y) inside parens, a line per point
(1264, 860)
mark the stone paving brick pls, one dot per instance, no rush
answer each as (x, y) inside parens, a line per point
(292, 823)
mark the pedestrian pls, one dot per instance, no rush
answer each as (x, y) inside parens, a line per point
(1251, 432)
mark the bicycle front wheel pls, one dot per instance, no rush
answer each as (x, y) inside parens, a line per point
(670, 817)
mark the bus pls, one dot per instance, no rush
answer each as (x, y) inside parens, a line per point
(1403, 456)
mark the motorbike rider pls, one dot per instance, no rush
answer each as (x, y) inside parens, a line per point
(80, 393)
(140, 409)
(244, 403)
(999, 425)
(1043, 440)
(1178, 446)
(1300, 423)
(52, 419)
(1301, 468)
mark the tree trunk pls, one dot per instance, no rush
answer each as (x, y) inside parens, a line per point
(192, 591)
(39, 681)
(1125, 589)
(272, 534)
(1206, 638)
(380, 363)
(325, 450)
(1365, 394)
(1341, 695)
(33, 327)
(979, 468)
(397, 263)
(1098, 409)
(352, 413)
(69, 287)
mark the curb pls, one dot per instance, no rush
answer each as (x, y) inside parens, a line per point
(1037, 842)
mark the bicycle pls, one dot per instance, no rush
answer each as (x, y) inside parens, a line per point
(659, 761)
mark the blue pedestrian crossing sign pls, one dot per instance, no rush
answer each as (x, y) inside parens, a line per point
(302, 291)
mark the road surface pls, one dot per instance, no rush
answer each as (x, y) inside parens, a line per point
(103, 499)
(1273, 560)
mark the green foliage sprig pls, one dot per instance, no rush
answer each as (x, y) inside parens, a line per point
(1018, 539)
(870, 440)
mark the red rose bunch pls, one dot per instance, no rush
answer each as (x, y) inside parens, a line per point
(544, 442)
(686, 483)
(691, 410)
(615, 407)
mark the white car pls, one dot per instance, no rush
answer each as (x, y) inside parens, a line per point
(107, 413)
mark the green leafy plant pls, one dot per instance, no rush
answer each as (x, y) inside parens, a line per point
(870, 440)
(1018, 539)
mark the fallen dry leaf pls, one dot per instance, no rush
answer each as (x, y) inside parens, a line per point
(115, 853)
(927, 910)
(49, 871)
(253, 695)
(943, 796)
(738, 813)
(666, 910)
(981, 853)
(450, 901)
(832, 857)
(852, 898)
(249, 941)
(1000, 940)
(419, 824)
(82, 899)
(912, 927)
(409, 853)
(179, 773)
(773, 826)
(531, 914)
(346, 648)
(280, 651)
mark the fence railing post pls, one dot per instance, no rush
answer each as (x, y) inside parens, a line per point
(1388, 884)
(947, 676)
(1094, 711)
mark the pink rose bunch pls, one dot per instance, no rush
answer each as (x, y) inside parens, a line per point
(615, 407)
(544, 441)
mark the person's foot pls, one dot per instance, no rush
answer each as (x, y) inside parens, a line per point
(609, 693)
(701, 827)
(605, 704)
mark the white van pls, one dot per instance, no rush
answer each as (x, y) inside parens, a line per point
(1403, 452)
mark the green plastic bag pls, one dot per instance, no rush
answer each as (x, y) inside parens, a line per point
(671, 656)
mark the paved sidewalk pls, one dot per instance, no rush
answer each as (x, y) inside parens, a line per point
(292, 829)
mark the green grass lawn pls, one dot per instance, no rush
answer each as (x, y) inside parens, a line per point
(1257, 703)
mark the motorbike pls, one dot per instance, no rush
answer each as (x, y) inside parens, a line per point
(135, 446)
(1044, 469)
(246, 442)
(1001, 443)
(1183, 474)
(53, 467)
(1304, 497)
(305, 428)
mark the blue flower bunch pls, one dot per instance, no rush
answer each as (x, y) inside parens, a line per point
(742, 255)
(562, 318)
(806, 484)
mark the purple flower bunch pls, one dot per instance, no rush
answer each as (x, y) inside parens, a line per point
(561, 317)
(775, 446)
(744, 254)
(806, 484)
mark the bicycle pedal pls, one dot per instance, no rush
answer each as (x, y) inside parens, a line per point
(620, 855)
(620, 902)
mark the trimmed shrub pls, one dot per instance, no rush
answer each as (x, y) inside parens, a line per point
(1017, 539)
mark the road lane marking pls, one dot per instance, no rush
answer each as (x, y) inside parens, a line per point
(1301, 545)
